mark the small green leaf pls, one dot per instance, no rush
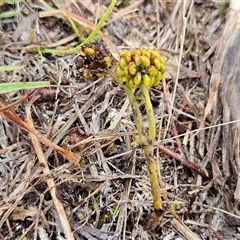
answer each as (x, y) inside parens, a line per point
(176, 207)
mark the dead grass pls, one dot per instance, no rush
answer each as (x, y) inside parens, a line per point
(109, 196)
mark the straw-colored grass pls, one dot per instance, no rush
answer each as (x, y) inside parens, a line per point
(108, 196)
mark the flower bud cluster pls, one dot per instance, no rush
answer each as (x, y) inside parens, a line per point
(92, 62)
(140, 66)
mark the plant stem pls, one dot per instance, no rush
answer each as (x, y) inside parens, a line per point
(148, 150)
(150, 114)
(153, 177)
(137, 116)
(147, 142)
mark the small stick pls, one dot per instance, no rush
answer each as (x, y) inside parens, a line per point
(184, 161)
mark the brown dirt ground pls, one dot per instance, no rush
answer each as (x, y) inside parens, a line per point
(111, 197)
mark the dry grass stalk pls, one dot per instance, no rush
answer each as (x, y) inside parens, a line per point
(50, 180)
(162, 28)
(11, 115)
(186, 232)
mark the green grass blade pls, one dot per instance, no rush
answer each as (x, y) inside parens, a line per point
(8, 14)
(91, 37)
(12, 1)
(10, 68)
(9, 87)
(100, 23)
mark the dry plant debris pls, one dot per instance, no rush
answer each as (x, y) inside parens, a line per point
(111, 197)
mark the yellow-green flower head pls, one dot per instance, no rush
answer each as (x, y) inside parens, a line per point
(140, 66)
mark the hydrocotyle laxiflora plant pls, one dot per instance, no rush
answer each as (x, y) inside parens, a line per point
(137, 69)
(143, 68)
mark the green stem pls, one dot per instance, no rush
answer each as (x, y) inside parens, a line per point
(148, 150)
(137, 116)
(153, 177)
(150, 114)
(147, 142)
(136, 110)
